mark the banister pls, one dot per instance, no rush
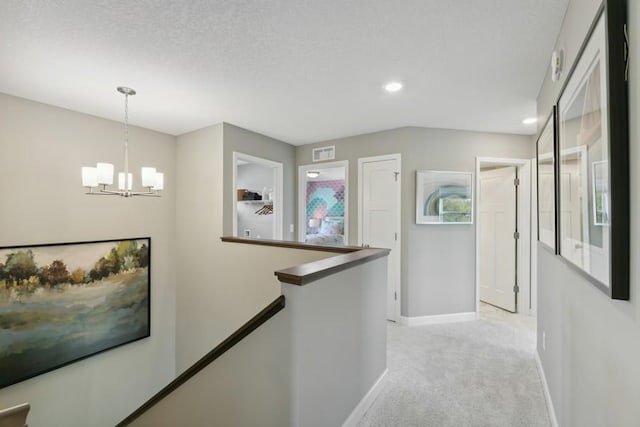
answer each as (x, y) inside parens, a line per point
(347, 257)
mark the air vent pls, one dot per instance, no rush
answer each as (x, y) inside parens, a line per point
(323, 153)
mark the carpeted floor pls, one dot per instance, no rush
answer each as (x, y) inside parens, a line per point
(478, 373)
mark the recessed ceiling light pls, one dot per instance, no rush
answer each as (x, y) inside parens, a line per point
(530, 120)
(313, 174)
(393, 86)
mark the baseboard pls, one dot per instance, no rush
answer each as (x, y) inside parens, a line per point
(547, 395)
(366, 402)
(438, 318)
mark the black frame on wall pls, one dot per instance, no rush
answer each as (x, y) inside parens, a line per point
(57, 319)
(551, 125)
(615, 133)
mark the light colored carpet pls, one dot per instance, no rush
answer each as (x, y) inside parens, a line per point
(478, 373)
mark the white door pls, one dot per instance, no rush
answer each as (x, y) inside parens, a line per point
(380, 216)
(497, 238)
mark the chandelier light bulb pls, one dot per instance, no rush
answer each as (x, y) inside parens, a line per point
(89, 176)
(159, 184)
(121, 184)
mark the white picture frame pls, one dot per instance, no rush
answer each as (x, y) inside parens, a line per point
(444, 197)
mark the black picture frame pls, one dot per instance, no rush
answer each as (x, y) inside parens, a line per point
(597, 86)
(64, 302)
(546, 162)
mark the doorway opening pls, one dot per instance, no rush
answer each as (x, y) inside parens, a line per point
(504, 189)
(323, 203)
(257, 195)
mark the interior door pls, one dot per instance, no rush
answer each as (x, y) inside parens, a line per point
(498, 209)
(380, 214)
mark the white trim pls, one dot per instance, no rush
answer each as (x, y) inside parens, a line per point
(438, 319)
(398, 158)
(547, 394)
(533, 271)
(366, 402)
(302, 197)
(524, 303)
(278, 190)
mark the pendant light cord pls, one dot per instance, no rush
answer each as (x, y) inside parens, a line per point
(127, 184)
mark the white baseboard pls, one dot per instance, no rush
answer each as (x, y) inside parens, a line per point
(362, 407)
(438, 318)
(547, 395)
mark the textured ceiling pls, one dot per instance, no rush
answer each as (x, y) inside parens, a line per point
(300, 71)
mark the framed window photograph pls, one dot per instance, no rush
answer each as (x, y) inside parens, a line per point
(593, 161)
(546, 159)
(444, 197)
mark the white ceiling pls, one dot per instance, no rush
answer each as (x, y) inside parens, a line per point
(300, 71)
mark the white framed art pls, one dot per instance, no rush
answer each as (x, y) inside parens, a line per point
(444, 197)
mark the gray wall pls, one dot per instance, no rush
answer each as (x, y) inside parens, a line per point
(41, 151)
(198, 229)
(220, 285)
(438, 262)
(336, 359)
(288, 372)
(592, 343)
(248, 386)
(255, 144)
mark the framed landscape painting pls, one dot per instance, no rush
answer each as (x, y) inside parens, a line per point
(60, 303)
(444, 197)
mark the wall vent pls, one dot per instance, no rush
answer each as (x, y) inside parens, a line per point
(323, 153)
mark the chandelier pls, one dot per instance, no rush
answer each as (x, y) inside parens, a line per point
(97, 179)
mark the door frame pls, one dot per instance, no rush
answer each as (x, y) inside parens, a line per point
(302, 197)
(398, 158)
(525, 301)
(278, 186)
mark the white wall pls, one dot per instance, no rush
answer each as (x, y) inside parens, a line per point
(255, 178)
(592, 342)
(41, 151)
(438, 262)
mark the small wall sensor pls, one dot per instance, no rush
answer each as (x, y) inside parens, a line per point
(556, 64)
